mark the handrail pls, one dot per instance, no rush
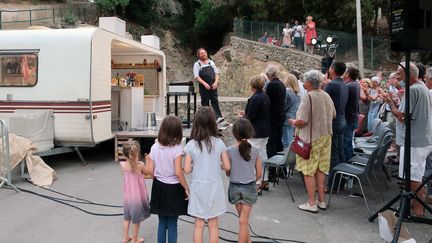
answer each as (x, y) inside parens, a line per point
(26, 10)
(27, 20)
(6, 178)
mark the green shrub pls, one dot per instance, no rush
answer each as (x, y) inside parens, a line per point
(70, 18)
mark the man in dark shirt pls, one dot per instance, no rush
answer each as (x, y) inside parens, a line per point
(275, 90)
(352, 109)
(338, 92)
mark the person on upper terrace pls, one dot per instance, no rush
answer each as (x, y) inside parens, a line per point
(264, 38)
(310, 33)
(286, 32)
(297, 30)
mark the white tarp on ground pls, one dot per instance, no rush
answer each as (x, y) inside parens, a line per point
(21, 148)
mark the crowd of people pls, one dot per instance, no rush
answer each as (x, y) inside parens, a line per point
(321, 109)
(294, 35)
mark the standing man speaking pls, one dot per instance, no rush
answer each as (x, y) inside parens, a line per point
(207, 75)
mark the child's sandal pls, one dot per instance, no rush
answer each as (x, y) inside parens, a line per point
(264, 186)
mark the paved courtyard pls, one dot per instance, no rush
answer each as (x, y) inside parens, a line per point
(29, 218)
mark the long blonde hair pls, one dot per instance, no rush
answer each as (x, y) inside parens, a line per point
(290, 81)
(131, 150)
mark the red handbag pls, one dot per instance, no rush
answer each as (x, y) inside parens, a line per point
(298, 146)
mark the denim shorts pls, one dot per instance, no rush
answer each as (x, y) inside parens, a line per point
(242, 193)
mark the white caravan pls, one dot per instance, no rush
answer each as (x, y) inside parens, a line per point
(79, 75)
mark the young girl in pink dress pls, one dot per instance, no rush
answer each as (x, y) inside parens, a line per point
(135, 199)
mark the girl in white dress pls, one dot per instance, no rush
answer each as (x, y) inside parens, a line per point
(205, 156)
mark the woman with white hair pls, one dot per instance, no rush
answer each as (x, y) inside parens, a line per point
(313, 125)
(373, 95)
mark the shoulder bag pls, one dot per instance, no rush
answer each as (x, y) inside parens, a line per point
(298, 146)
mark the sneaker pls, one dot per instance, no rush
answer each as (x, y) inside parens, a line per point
(308, 208)
(219, 120)
(321, 205)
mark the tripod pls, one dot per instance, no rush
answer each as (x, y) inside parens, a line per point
(406, 193)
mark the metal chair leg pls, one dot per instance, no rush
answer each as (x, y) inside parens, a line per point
(373, 191)
(331, 189)
(385, 181)
(340, 181)
(364, 195)
(386, 172)
(374, 175)
(286, 181)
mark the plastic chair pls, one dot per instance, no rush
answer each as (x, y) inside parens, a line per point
(373, 143)
(280, 162)
(362, 160)
(358, 172)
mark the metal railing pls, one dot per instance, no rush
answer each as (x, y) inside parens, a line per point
(44, 16)
(5, 176)
(374, 47)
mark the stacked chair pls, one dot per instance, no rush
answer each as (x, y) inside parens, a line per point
(366, 165)
(370, 134)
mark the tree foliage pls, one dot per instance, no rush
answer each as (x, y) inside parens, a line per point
(212, 22)
(149, 12)
(206, 22)
(109, 6)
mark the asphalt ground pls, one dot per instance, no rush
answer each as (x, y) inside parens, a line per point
(27, 217)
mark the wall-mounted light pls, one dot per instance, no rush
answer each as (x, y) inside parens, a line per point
(314, 41)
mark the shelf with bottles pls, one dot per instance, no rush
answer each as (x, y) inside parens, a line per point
(128, 80)
(133, 66)
(144, 65)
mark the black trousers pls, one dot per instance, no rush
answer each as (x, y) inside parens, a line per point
(337, 149)
(210, 95)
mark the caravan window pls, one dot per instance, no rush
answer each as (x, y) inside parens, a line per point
(18, 69)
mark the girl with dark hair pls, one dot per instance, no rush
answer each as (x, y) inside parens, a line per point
(205, 155)
(170, 190)
(245, 170)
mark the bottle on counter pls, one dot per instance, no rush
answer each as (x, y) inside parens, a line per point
(9, 68)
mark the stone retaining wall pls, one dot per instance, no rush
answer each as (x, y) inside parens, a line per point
(289, 57)
(243, 58)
